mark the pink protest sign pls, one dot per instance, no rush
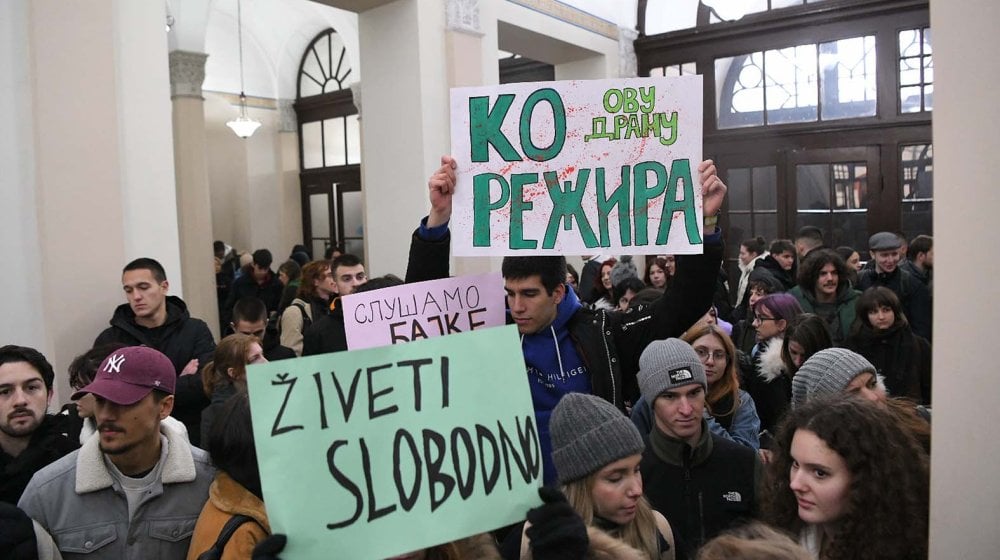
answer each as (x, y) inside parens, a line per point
(423, 310)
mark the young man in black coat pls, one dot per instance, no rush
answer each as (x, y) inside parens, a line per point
(161, 321)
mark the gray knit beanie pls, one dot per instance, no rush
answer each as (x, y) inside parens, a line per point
(623, 270)
(589, 433)
(668, 364)
(827, 372)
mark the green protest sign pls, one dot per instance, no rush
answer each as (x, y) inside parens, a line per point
(378, 452)
(578, 167)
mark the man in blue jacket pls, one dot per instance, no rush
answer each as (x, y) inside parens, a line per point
(569, 347)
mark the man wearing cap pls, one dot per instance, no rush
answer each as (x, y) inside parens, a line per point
(156, 319)
(135, 490)
(701, 482)
(913, 294)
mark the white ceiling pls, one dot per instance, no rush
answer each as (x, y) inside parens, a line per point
(276, 32)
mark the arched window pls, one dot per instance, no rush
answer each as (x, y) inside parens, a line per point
(329, 148)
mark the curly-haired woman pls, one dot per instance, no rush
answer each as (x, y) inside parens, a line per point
(849, 481)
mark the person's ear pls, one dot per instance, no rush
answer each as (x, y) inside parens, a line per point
(559, 293)
(165, 285)
(166, 406)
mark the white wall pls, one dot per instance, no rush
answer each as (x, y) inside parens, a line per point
(20, 251)
(87, 163)
(965, 494)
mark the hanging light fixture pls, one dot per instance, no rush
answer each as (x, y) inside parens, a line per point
(243, 126)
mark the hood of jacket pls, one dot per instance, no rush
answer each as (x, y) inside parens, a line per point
(845, 294)
(233, 498)
(179, 466)
(177, 313)
(569, 305)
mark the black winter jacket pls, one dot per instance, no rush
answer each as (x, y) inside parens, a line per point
(610, 342)
(47, 444)
(703, 490)
(181, 338)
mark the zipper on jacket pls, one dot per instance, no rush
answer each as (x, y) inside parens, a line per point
(607, 354)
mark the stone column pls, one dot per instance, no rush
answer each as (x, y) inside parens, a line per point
(401, 43)
(287, 146)
(628, 65)
(464, 42)
(194, 206)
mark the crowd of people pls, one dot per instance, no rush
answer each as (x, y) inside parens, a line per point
(676, 420)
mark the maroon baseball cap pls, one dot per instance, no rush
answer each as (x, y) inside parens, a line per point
(129, 374)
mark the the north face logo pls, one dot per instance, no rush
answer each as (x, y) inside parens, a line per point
(680, 375)
(114, 364)
(732, 496)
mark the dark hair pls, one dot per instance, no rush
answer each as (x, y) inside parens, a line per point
(291, 268)
(762, 279)
(646, 296)
(249, 309)
(630, 283)
(599, 290)
(262, 258)
(312, 272)
(300, 248)
(218, 246)
(387, 281)
(755, 245)
(146, 263)
(572, 272)
(812, 233)
(812, 334)
(811, 266)
(920, 244)
(660, 262)
(887, 503)
(870, 300)
(231, 445)
(551, 270)
(83, 367)
(845, 252)
(779, 246)
(333, 248)
(12, 354)
(346, 260)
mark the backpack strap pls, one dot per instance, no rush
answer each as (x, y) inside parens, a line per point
(306, 319)
(228, 529)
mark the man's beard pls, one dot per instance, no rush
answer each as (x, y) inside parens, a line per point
(120, 450)
(23, 431)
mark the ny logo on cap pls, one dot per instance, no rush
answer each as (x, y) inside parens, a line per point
(114, 364)
(678, 375)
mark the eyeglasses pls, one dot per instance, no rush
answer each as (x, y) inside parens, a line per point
(759, 319)
(704, 354)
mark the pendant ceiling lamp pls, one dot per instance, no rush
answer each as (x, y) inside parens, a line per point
(243, 126)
